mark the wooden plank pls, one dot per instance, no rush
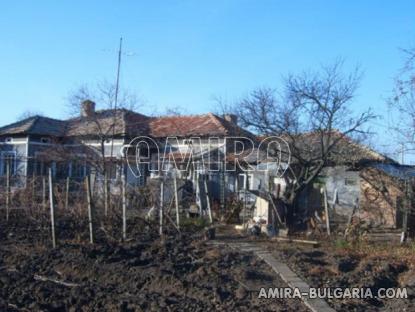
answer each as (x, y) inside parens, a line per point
(300, 241)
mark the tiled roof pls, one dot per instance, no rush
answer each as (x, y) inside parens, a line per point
(345, 150)
(128, 123)
(125, 123)
(132, 124)
(194, 125)
(35, 125)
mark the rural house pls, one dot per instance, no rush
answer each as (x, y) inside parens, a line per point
(376, 184)
(76, 146)
(356, 182)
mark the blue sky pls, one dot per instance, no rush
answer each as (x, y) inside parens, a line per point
(187, 52)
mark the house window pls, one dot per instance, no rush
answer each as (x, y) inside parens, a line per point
(250, 182)
(62, 169)
(41, 169)
(112, 170)
(78, 169)
(42, 164)
(10, 159)
(245, 180)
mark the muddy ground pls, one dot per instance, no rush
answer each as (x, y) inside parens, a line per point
(346, 265)
(142, 274)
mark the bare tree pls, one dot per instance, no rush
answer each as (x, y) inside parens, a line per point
(102, 93)
(101, 126)
(28, 114)
(174, 111)
(314, 117)
(403, 100)
(222, 105)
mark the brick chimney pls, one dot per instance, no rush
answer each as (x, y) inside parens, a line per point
(87, 108)
(231, 118)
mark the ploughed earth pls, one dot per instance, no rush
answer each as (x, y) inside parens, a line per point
(141, 274)
(337, 264)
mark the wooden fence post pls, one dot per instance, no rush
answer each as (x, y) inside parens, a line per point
(335, 199)
(222, 186)
(7, 189)
(161, 208)
(198, 198)
(88, 197)
(244, 202)
(52, 209)
(44, 192)
(124, 208)
(176, 198)
(67, 193)
(33, 190)
(208, 200)
(326, 209)
(106, 204)
(407, 205)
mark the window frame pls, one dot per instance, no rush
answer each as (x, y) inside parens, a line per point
(2, 164)
(83, 158)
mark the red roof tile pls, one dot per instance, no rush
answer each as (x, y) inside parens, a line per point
(194, 125)
(129, 123)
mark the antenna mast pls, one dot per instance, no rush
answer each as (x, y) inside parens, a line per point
(118, 75)
(117, 85)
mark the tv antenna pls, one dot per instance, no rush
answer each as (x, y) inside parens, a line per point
(117, 88)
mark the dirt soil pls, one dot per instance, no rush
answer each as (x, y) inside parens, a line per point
(143, 274)
(365, 266)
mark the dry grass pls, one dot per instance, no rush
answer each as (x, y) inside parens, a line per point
(380, 250)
